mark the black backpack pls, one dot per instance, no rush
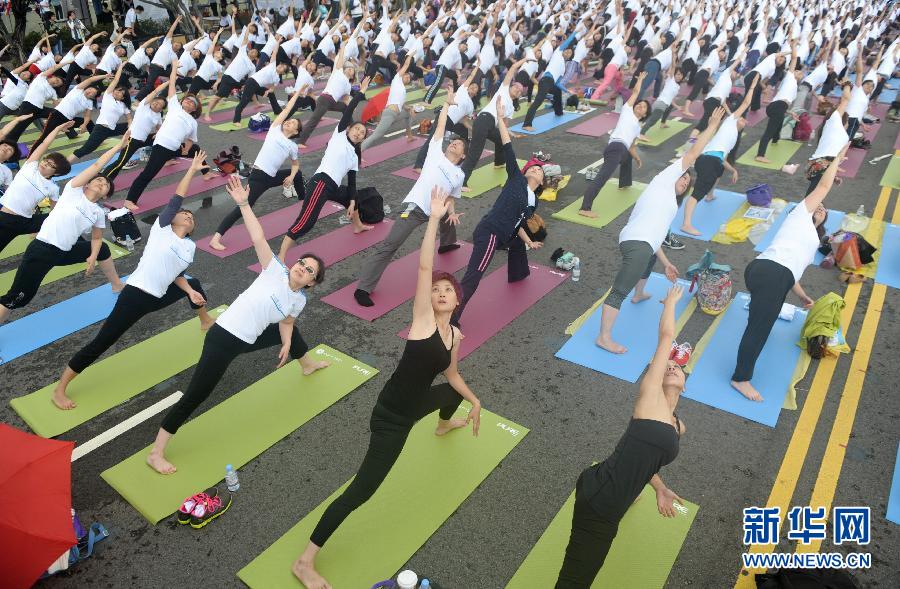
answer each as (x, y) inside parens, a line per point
(370, 205)
(807, 579)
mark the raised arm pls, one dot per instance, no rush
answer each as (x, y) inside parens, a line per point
(115, 81)
(240, 194)
(41, 149)
(651, 391)
(423, 322)
(212, 46)
(90, 81)
(149, 42)
(632, 100)
(511, 74)
(696, 150)
(168, 214)
(173, 77)
(438, 134)
(174, 26)
(748, 98)
(94, 169)
(817, 196)
(283, 115)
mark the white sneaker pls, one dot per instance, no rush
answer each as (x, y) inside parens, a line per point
(289, 192)
(344, 219)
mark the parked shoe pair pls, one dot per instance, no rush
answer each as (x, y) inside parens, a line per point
(200, 509)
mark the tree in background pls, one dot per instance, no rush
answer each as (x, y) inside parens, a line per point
(15, 37)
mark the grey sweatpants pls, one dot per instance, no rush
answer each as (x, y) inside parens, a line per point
(388, 117)
(638, 260)
(405, 224)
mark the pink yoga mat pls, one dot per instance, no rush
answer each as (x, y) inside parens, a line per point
(597, 126)
(407, 172)
(338, 244)
(274, 224)
(397, 284)
(393, 148)
(851, 165)
(124, 181)
(879, 109)
(897, 142)
(225, 115)
(497, 303)
(754, 117)
(159, 197)
(872, 132)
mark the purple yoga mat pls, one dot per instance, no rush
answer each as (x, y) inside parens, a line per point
(879, 109)
(124, 181)
(497, 303)
(225, 115)
(872, 132)
(397, 284)
(159, 197)
(897, 142)
(851, 165)
(754, 117)
(237, 239)
(325, 122)
(597, 126)
(393, 148)
(338, 244)
(407, 172)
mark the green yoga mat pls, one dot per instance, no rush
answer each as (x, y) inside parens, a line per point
(641, 555)
(115, 379)
(778, 153)
(432, 478)
(60, 142)
(102, 148)
(892, 174)
(486, 178)
(15, 247)
(657, 135)
(6, 278)
(225, 105)
(229, 126)
(609, 204)
(236, 431)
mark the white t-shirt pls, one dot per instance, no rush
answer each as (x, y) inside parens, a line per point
(501, 94)
(27, 189)
(111, 110)
(176, 127)
(269, 299)
(130, 18)
(397, 94)
(165, 257)
(766, 67)
(85, 57)
(303, 79)
(338, 85)
(164, 55)
(669, 91)
(241, 66)
(787, 91)
(144, 122)
(74, 104)
(655, 209)
(817, 77)
(437, 171)
(13, 93)
(462, 108)
(267, 76)
(110, 60)
(450, 58)
(859, 102)
(73, 216)
(627, 128)
(139, 59)
(833, 138)
(339, 158)
(725, 138)
(722, 88)
(39, 91)
(209, 68)
(275, 149)
(796, 242)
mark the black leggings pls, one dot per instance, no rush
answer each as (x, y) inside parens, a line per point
(616, 155)
(125, 155)
(709, 106)
(159, 155)
(39, 258)
(220, 348)
(259, 183)
(377, 63)
(12, 226)
(251, 89)
(153, 73)
(131, 305)
(545, 85)
(709, 169)
(321, 189)
(74, 71)
(440, 73)
(389, 431)
(589, 543)
(226, 85)
(756, 101)
(776, 112)
(198, 84)
(484, 128)
(54, 120)
(99, 134)
(769, 283)
(38, 119)
(700, 85)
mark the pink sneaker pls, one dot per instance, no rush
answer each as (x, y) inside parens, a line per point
(681, 353)
(189, 504)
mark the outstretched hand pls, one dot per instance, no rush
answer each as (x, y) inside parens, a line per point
(665, 502)
(474, 417)
(197, 162)
(674, 294)
(238, 192)
(440, 202)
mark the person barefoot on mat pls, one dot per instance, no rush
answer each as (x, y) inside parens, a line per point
(261, 317)
(640, 241)
(778, 270)
(432, 348)
(604, 492)
(59, 242)
(158, 282)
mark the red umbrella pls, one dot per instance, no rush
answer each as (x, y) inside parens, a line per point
(375, 106)
(35, 505)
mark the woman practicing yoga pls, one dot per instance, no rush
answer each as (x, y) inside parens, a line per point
(604, 492)
(157, 282)
(59, 242)
(261, 317)
(432, 348)
(266, 172)
(112, 108)
(777, 271)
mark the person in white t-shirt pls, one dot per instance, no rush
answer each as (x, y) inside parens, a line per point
(73, 107)
(332, 97)
(165, 53)
(112, 109)
(261, 317)
(261, 83)
(441, 170)
(640, 241)
(777, 109)
(136, 65)
(240, 68)
(776, 272)
(459, 116)
(450, 60)
(44, 87)
(15, 87)
(145, 121)
(620, 151)
(863, 87)
(832, 138)
(395, 109)
(267, 172)
(85, 60)
(210, 69)
(665, 102)
(157, 282)
(59, 241)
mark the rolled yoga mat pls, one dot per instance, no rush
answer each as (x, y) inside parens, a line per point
(597, 126)
(777, 153)
(547, 122)
(656, 135)
(486, 178)
(709, 215)
(430, 480)
(642, 555)
(115, 379)
(159, 197)
(58, 272)
(710, 381)
(611, 202)
(236, 431)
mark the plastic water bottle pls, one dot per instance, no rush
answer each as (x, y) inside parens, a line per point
(407, 580)
(231, 479)
(576, 270)
(861, 211)
(425, 584)
(129, 243)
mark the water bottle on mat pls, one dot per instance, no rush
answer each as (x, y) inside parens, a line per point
(231, 479)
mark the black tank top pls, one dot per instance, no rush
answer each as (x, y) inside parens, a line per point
(646, 446)
(422, 361)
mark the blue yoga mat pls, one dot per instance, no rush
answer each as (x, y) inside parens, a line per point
(831, 225)
(889, 262)
(709, 216)
(636, 329)
(80, 167)
(546, 122)
(893, 509)
(710, 382)
(44, 327)
(887, 96)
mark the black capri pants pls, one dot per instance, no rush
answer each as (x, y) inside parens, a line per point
(159, 155)
(484, 128)
(39, 258)
(259, 183)
(709, 106)
(440, 73)
(700, 84)
(131, 305)
(251, 89)
(776, 112)
(99, 134)
(12, 226)
(321, 189)
(756, 101)
(220, 348)
(125, 155)
(616, 155)
(709, 169)
(56, 119)
(226, 85)
(198, 84)
(638, 259)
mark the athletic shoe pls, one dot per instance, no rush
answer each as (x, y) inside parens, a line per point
(363, 298)
(672, 243)
(681, 353)
(188, 505)
(206, 511)
(130, 164)
(344, 219)
(289, 191)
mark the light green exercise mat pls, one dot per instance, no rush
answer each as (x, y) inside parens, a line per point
(892, 174)
(777, 153)
(115, 379)
(611, 202)
(58, 272)
(236, 431)
(15, 247)
(641, 556)
(486, 178)
(656, 135)
(430, 480)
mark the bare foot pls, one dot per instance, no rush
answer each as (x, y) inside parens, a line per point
(417, 170)
(639, 298)
(117, 287)
(206, 324)
(159, 463)
(589, 214)
(170, 163)
(308, 575)
(311, 367)
(303, 146)
(661, 126)
(690, 230)
(132, 206)
(527, 128)
(410, 139)
(610, 346)
(710, 197)
(206, 119)
(642, 137)
(62, 401)
(762, 160)
(746, 389)
(359, 226)
(687, 113)
(216, 243)
(465, 189)
(448, 425)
